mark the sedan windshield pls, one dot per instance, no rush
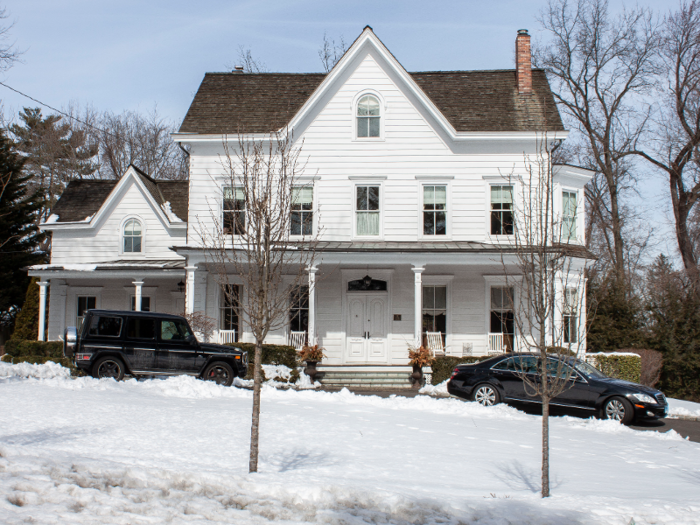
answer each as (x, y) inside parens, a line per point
(588, 370)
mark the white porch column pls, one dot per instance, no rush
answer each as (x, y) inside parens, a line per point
(42, 309)
(312, 304)
(418, 303)
(137, 294)
(189, 289)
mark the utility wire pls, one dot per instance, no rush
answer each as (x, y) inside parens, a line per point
(59, 111)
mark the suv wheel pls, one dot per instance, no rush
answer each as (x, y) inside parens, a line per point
(108, 367)
(486, 395)
(618, 409)
(219, 372)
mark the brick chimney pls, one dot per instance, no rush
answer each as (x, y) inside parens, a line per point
(523, 62)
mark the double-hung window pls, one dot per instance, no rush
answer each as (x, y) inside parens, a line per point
(299, 310)
(568, 216)
(229, 309)
(85, 303)
(435, 310)
(145, 303)
(132, 236)
(233, 210)
(570, 315)
(434, 210)
(367, 214)
(302, 210)
(501, 210)
(502, 318)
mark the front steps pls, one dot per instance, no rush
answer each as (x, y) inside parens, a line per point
(367, 377)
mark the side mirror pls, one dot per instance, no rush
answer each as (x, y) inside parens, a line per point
(192, 340)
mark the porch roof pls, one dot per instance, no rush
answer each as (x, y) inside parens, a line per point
(114, 268)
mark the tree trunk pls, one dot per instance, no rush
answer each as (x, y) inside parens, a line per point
(618, 243)
(545, 448)
(255, 427)
(681, 210)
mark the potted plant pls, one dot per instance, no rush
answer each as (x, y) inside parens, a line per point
(311, 355)
(419, 357)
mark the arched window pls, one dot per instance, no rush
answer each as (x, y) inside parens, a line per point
(132, 236)
(368, 117)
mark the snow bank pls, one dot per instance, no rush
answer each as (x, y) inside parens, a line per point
(439, 390)
(678, 407)
(47, 370)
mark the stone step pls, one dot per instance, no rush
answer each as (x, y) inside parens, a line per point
(361, 379)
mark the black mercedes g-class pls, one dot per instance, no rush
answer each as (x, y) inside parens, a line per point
(113, 343)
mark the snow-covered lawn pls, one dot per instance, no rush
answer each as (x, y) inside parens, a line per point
(176, 451)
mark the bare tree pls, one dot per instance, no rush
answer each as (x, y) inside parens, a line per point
(673, 143)
(253, 241)
(142, 140)
(600, 66)
(331, 51)
(249, 63)
(8, 53)
(544, 269)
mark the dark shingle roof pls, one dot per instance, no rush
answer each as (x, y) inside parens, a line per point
(83, 198)
(470, 100)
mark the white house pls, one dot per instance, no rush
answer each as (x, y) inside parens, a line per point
(408, 173)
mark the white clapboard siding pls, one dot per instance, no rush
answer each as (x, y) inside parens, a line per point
(104, 242)
(409, 148)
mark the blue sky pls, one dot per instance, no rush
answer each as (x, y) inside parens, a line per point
(132, 55)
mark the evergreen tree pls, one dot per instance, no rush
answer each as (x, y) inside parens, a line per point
(617, 318)
(54, 153)
(27, 322)
(19, 236)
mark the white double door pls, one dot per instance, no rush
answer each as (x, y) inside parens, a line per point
(367, 328)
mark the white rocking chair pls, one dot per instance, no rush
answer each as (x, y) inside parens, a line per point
(435, 344)
(297, 340)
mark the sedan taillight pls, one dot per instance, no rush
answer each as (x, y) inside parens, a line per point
(454, 372)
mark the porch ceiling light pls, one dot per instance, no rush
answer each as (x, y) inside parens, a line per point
(180, 286)
(367, 281)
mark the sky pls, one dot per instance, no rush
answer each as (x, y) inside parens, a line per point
(137, 55)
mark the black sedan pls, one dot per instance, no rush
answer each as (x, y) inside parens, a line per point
(500, 379)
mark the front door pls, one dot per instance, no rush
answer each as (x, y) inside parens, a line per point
(367, 328)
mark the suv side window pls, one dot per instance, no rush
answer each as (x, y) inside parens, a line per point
(104, 326)
(141, 328)
(172, 330)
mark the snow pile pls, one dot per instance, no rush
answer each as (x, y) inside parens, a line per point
(175, 450)
(439, 390)
(279, 376)
(677, 407)
(47, 370)
(169, 213)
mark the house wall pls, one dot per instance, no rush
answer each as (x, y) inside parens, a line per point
(409, 154)
(104, 242)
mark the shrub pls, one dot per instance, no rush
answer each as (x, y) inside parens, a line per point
(271, 355)
(625, 366)
(444, 365)
(18, 348)
(27, 323)
(37, 360)
(652, 361)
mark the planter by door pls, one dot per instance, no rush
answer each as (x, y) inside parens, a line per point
(417, 376)
(311, 370)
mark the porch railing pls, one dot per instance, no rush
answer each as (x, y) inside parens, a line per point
(297, 339)
(227, 336)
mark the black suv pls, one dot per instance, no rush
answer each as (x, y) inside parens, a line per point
(113, 343)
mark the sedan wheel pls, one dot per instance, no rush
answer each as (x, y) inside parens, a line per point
(109, 367)
(618, 409)
(486, 395)
(220, 373)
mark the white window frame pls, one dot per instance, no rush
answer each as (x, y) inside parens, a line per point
(577, 237)
(122, 225)
(368, 183)
(222, 191)
(81, 291)
(500, 281)
(446, 281)
(314, 215)
(491, 184)
(566, 314)
(448, 216)
(382, 116)
(146, 291)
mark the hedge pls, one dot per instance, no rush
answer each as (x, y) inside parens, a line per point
(444, 365)
(271, 355)
(19, 348)
(37, 360)
(619, 365)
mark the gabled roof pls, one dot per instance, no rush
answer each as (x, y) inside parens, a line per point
(229, 103)
(82, 199)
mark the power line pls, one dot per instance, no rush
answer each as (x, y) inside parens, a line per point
(59, 111)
